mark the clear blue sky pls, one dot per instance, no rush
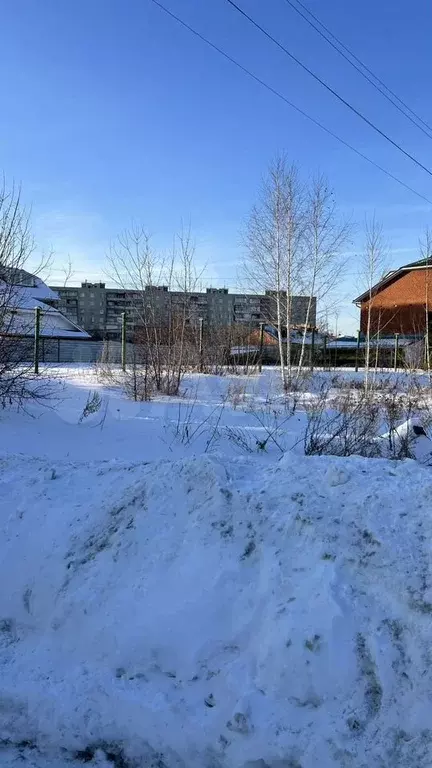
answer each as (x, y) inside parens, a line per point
(111, 111)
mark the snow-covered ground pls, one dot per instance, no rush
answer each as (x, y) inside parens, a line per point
(169, 602)
(205, 418)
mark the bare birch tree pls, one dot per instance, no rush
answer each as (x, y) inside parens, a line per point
(273, 239)
(326, 235)
(373, 265)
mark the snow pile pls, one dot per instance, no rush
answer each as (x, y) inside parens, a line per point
(214, 613)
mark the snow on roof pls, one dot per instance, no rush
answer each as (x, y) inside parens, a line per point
(346, 344)
(52, 324)
(23, 298)
(27, 296)
(64, 333)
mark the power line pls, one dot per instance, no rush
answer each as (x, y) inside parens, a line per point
(360, 71)
(287, 101)
(329, 88)
(359, 61)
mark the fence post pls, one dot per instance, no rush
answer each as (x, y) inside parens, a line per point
(36, 340)
(312, 350)
(123, 341)
(201, 344)
(396, 351)
(261, 346)
(357, 352)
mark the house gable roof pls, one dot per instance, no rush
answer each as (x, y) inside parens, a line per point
(390, 277)
(23, 296)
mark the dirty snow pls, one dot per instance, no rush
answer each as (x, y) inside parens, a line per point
(193, 609)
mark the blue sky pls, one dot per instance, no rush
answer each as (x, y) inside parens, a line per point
(112, 112)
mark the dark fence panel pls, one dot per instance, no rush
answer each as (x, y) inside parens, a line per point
(67, 350)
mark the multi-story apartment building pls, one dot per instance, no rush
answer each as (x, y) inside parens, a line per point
(98, 309)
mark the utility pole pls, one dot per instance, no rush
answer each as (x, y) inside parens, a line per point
(261, 346)
(201, 345)
(123, 341)
(36, 339)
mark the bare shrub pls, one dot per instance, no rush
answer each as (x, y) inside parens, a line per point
(190, 427)
(242, 438)
(138, 379)
(374, 385)
(399, 407)
(272, 419)
(298, 382)
(93, 405)
(342, 426)
(106, 373)
(20, 387)
(230, 351)
(236, 394)
(374, 422)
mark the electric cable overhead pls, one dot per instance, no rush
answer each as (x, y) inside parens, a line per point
(283, 98)
(362, 64)
(378, 87)
(329, 88)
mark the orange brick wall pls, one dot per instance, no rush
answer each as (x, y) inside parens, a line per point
(268, 339)
(400, 306)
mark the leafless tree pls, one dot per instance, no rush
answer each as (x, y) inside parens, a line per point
(17, 246)
(326, 235)
(68, 271)
(295, 225)
(373, 264)
(273, 238)
(186, 315)
(161, 309)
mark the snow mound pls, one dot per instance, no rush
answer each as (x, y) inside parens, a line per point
(208, 613)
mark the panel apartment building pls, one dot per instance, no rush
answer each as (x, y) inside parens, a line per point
(98, 309)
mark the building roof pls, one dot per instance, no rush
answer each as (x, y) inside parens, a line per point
(390, 277)
(53, 324)
(23, 297)
(28, 296)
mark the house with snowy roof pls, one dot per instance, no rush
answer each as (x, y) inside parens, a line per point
(20, 293)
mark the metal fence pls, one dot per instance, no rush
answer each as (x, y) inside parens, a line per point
(70, 351)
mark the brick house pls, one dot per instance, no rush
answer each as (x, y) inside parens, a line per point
(401, 302)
